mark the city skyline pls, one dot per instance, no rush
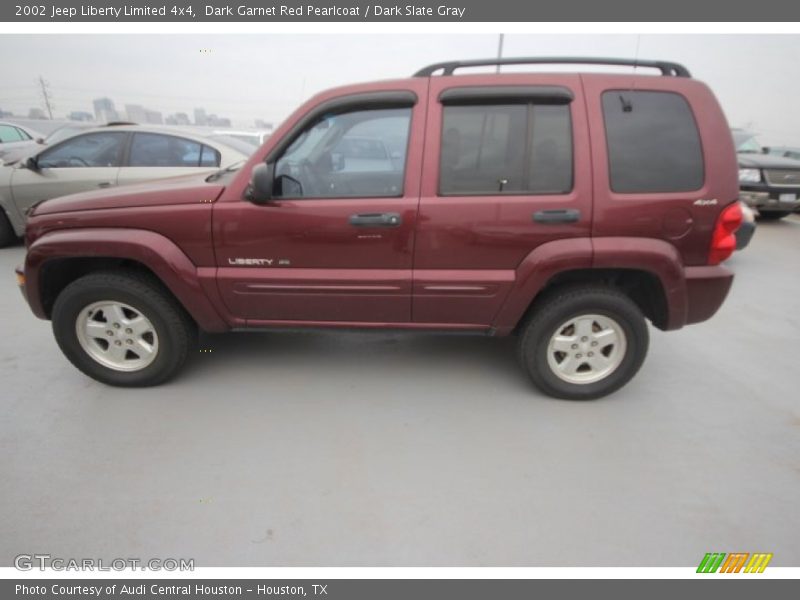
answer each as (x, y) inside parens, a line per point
(265, 77)
(104, 111)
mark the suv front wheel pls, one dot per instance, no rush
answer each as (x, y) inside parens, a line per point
(122, 329)
(583, 343)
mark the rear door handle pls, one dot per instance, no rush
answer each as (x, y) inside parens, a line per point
(105, 184)
(560, 215)
(376, 220)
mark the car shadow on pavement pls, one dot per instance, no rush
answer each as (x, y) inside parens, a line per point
(392, 354)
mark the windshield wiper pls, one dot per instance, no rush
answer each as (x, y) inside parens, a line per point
(217, 174)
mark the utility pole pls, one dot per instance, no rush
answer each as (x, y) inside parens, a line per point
(500, 50)
(46, 96)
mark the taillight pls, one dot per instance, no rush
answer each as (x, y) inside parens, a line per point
(723, 242)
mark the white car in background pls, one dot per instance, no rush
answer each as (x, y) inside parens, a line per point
(254, 137)
(103, 157)
(14, 137)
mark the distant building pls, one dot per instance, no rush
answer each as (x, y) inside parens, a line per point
(136, 113)
(200, 116)
(153, 117)
(36, 113)
(80, 115)
(215, 121)
(140, 114)
(178, 119)
(5, 113)
(262, 124)
(104, 110)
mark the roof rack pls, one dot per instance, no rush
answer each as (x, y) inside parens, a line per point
(670, 69)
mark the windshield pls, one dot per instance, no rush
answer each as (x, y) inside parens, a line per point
(746, 143)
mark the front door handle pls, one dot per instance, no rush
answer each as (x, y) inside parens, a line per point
(560, 215)
(376, 220)
(105, 184)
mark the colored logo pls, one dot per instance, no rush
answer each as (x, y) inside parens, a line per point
(735, 562)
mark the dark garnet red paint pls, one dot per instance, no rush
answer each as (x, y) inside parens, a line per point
(456, 262)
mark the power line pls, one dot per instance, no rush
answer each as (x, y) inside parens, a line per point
(46, 94)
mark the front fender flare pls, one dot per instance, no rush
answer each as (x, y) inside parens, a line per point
(156, 252)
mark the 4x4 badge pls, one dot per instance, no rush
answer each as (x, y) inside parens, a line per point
(704, 202)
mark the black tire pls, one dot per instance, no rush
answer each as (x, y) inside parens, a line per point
(7, 234)
(559, 307)
(773, 215)
(175, 330)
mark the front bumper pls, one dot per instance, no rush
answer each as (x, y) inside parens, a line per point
(768, 198)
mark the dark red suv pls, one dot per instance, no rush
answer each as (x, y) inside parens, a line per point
(564, 208)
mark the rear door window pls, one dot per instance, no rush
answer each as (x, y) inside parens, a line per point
(518, 148)
(653, 142)
(157, 150)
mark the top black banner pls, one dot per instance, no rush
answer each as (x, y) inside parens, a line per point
(383, 10)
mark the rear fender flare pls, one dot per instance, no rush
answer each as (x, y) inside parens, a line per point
(553, 258)
(533, 273)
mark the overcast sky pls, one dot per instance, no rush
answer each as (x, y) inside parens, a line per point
(248, 76)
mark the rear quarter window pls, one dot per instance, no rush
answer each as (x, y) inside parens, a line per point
(653, 142)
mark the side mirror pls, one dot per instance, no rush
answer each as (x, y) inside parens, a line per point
(765, 150)
(262, 180)
(40, 140)
(31, 163)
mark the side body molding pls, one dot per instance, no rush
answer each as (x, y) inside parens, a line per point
(158, 253)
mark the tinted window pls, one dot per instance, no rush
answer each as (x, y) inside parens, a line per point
(512, 149)
(101, 149)
(355, 154)
(209, 157)
(11, 134)
(653, 142)
(156, 150)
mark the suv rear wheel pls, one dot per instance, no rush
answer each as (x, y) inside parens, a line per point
(583, 343)
(122, 329)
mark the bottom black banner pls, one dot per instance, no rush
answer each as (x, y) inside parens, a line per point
(729, 587)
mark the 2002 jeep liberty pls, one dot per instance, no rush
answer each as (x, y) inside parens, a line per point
(565, 208)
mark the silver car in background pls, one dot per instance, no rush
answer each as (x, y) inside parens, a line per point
(101, 158)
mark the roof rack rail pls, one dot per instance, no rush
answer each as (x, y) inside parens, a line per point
(667, 68)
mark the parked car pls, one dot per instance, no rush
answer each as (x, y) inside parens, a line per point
(769, 183)
(102, 157)
(13, 137)
(254, 137)
(784, 151)
(566, 208)
(245, 148)
(35, 144)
